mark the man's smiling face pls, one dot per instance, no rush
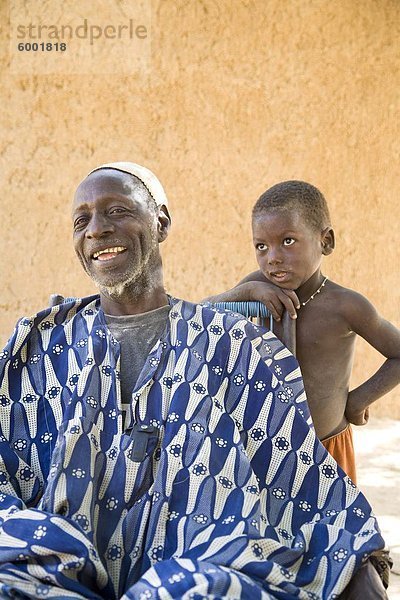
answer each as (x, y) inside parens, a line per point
(115, 229)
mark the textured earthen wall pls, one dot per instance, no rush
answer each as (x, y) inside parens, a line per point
(238, 95)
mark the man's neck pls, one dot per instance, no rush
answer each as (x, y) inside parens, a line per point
(128, 303)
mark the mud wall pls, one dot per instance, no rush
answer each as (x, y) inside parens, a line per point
(226, 98)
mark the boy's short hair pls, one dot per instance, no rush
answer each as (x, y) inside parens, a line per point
(296, 195)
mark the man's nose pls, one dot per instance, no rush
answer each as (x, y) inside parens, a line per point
(98, 226)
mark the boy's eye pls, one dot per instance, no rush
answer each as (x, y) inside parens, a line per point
(261, 247)
(288, 241)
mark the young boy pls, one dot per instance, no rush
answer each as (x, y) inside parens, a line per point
(291, 233)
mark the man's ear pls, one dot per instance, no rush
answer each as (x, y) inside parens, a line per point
(163, 224)
(327, 240)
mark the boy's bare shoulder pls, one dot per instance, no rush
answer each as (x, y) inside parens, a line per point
(342, 293)
(352, 305)
(362, 318)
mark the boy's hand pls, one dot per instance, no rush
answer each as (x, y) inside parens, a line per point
(275, 298)
(356, 417)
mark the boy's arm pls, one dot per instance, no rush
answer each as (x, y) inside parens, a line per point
(365, 321)
(256, 287)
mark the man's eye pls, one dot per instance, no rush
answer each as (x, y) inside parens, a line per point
(116, 210)
(80, 223)
(288, 241)
(261, 247)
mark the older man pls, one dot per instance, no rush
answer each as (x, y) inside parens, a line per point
(154, 448)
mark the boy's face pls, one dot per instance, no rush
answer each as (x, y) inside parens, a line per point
(288, 250)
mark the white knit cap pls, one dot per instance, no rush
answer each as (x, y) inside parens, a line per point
(148, 179)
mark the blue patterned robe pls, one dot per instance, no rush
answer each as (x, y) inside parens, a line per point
(233, 497)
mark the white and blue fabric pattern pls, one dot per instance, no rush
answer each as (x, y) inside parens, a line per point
(217, 487)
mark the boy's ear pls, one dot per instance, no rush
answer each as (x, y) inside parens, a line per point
(327, 241)
(163, 224)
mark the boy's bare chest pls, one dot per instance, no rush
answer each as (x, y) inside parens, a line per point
(323, 337)
(325, 348)
(323, 330)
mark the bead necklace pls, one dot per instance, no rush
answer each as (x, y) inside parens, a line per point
(315, 293)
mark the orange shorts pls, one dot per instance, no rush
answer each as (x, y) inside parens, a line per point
(341, 447)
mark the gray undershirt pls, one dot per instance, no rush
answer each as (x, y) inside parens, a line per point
(137, 334)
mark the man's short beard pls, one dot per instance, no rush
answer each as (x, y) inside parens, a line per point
(134, 283)
(137, 278)
(114, 291)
